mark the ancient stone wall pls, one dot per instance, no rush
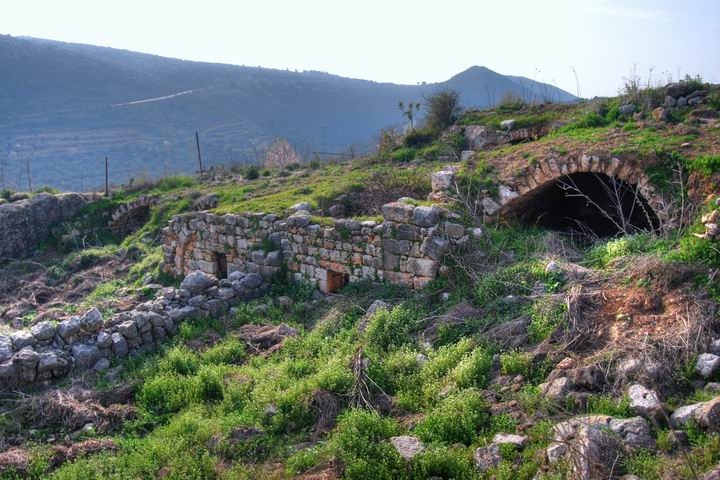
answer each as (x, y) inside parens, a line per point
(49, 351)
(25, 223)
(403, 249)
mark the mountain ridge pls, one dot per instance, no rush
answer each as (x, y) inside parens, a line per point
(66, 106)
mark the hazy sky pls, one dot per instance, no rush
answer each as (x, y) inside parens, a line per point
(401, 41)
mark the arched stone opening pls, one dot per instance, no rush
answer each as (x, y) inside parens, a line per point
(131, 221)
(594, 204)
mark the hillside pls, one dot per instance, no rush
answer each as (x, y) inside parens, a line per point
(67, 106)
(529, 293)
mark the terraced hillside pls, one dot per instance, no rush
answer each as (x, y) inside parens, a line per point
(570, 331)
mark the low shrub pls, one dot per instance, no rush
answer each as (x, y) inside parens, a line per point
(389, 329)
(546, 315)
(457, 419)
(441, 462)
(360, 441)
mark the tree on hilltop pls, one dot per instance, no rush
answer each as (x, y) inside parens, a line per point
(280, 155)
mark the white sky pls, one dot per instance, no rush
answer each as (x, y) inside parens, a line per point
(402, 41)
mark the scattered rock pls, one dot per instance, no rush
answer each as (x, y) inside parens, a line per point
(509, 438)
(486, 458)
(645, 402)
(198, 282)
(707, 365)
(407, 446)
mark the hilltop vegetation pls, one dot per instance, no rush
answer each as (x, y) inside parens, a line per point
(526, 329)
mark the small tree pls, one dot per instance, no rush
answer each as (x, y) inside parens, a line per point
(443, 108)
(409, 111)
(280, 155)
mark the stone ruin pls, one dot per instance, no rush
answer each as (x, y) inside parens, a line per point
(131, 216)
(49, 351)
(25, 223)
(536, 195)
(404, 249)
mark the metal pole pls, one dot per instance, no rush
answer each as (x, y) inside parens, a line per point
(197, 142)
(107, 186)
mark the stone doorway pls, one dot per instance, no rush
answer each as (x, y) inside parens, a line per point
(335, 281)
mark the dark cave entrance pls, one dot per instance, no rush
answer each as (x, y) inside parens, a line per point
(221, 262)
(591, 204)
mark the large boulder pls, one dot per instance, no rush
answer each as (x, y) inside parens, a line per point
(198, 282)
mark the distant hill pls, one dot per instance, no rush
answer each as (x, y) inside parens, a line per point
(66, 106)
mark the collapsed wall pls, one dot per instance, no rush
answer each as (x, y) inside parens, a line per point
(404, 249)
(51, 350)
(26, 223)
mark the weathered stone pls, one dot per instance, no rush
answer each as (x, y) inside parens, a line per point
(645, 402)
(434, 247)
(274, 258)
(198, 282)
(486, 458)
(480, 137)
(454, 230)
(251, 281)
(6, 348)
(26, 361)
(707, 365)
(128, 329)
(426, 216)
(591, 450)
(510, 439)
(507, 124)
(490, 206)
(505, 194)
(119, 345)
(85, 355)
(557, 389)
(43, 331)
(49, 361)
(92, 321)
(635, 432)
(422, 267)
(104, 340)
(68, 329)
(627, 109)
(23, 339)
(408, 447)
(301, 206)
(466, 155)
(398, 212)
(101, 365)
(225, 294)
